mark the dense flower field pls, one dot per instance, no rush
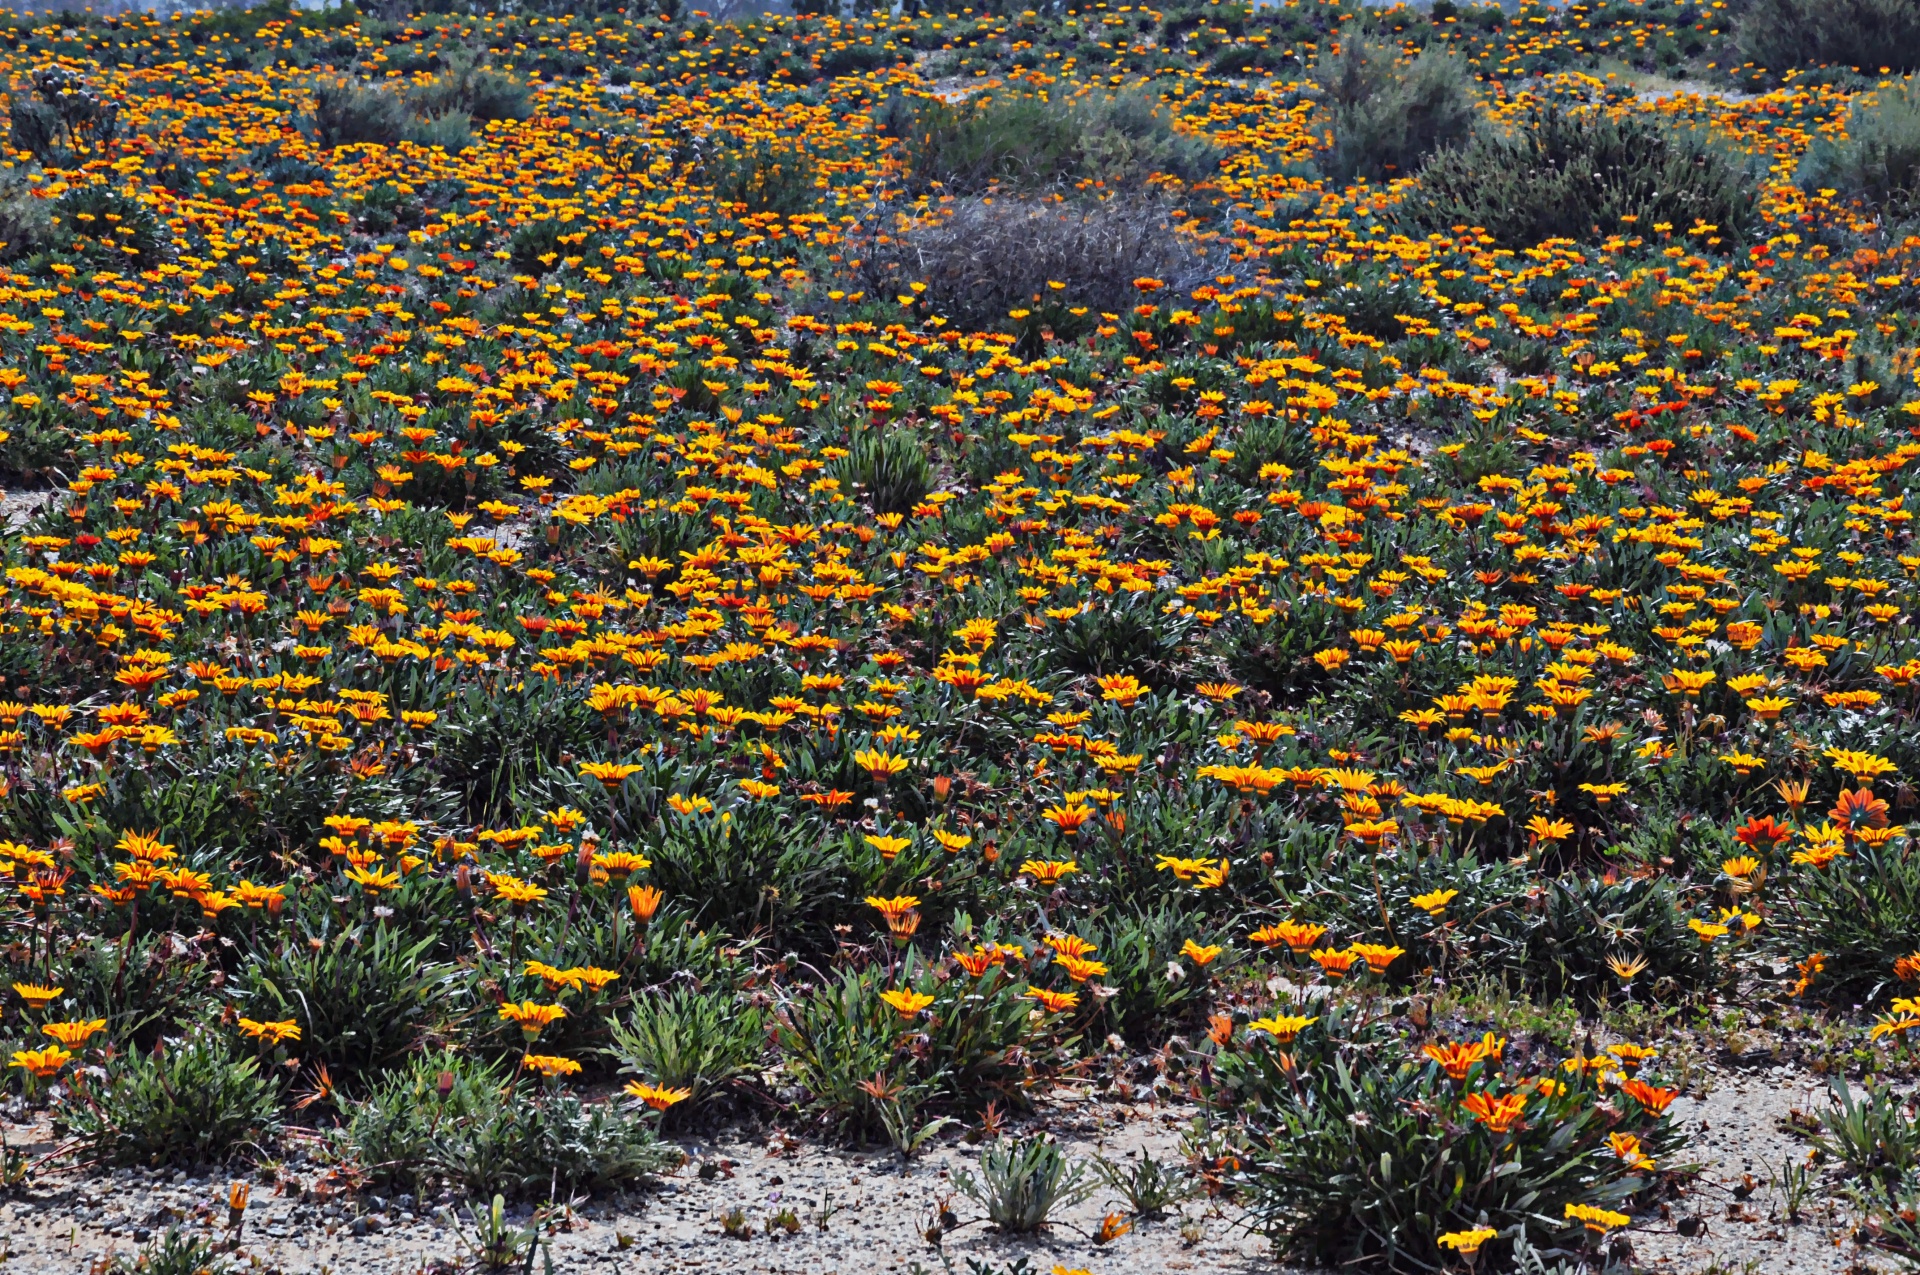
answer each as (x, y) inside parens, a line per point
(526, 610)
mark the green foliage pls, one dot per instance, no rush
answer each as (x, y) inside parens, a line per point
(25, 227)
(1563, 174)
(834, 1041)
(1580, 921)
(691, 1040)
(108, 225)
(1126, 636)
(188, 1102)
(1025, 140)
(1875, 1135)
(1147, 1186)
(1023, 1182)
(365, 996)
(475, 92)
(173, 1252)
(527, 1144)
(448, 1115)
(1387, 116)
(497, 1244)
(349, 114)
(1862, 918)
(1876, 157)
(1864, 34)
(392, 1133)
(1358, 1150)
(887, 467)
(751, 872)
(1136, 943)
(761, 176)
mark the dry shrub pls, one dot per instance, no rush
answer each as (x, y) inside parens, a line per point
(982, 258)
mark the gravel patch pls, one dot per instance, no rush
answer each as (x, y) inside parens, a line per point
(16, 507)
(856, 1213)
(859, 1213)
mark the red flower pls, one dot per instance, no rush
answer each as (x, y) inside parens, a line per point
(1763, 834)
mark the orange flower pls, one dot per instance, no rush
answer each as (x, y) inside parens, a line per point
(1654, 1100)
(75, 1034)
(644, 901)
(1498, 1114)
(1457, 1060)
(1334, 964)
(656, 1097)
(1054, 1002)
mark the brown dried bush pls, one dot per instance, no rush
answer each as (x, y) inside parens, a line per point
(981, 258)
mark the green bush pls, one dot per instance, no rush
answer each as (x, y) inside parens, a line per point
(107, 225)
(1023, 1182)
(441, 114)
(391, 1133)
(690, 1040)
(836, 1040)
(1862, 913)
(1360, 1150)
(349, 114)
(475, 92)
(364, 998)
(188, 1102)
(527, 1144)
(25, 227)
(889, 467)
(1865, 34)
(764, 176)
(1561, 174)
(1027, 140)
(1385, 116)
(174, 1252)
(1876, 158)
(450, 1116)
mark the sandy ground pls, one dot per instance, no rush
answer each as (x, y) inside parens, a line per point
(858, 1213)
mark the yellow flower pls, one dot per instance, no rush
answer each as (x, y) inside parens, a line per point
(1049, 872)
(1435, 902)
(36, 996)
(550, 1065)
(1282, 1027)
(271, 1033)
(1596, 1219)
(1467, 1243)
(42, 1062)
(532, 1018)
(907, 1003)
